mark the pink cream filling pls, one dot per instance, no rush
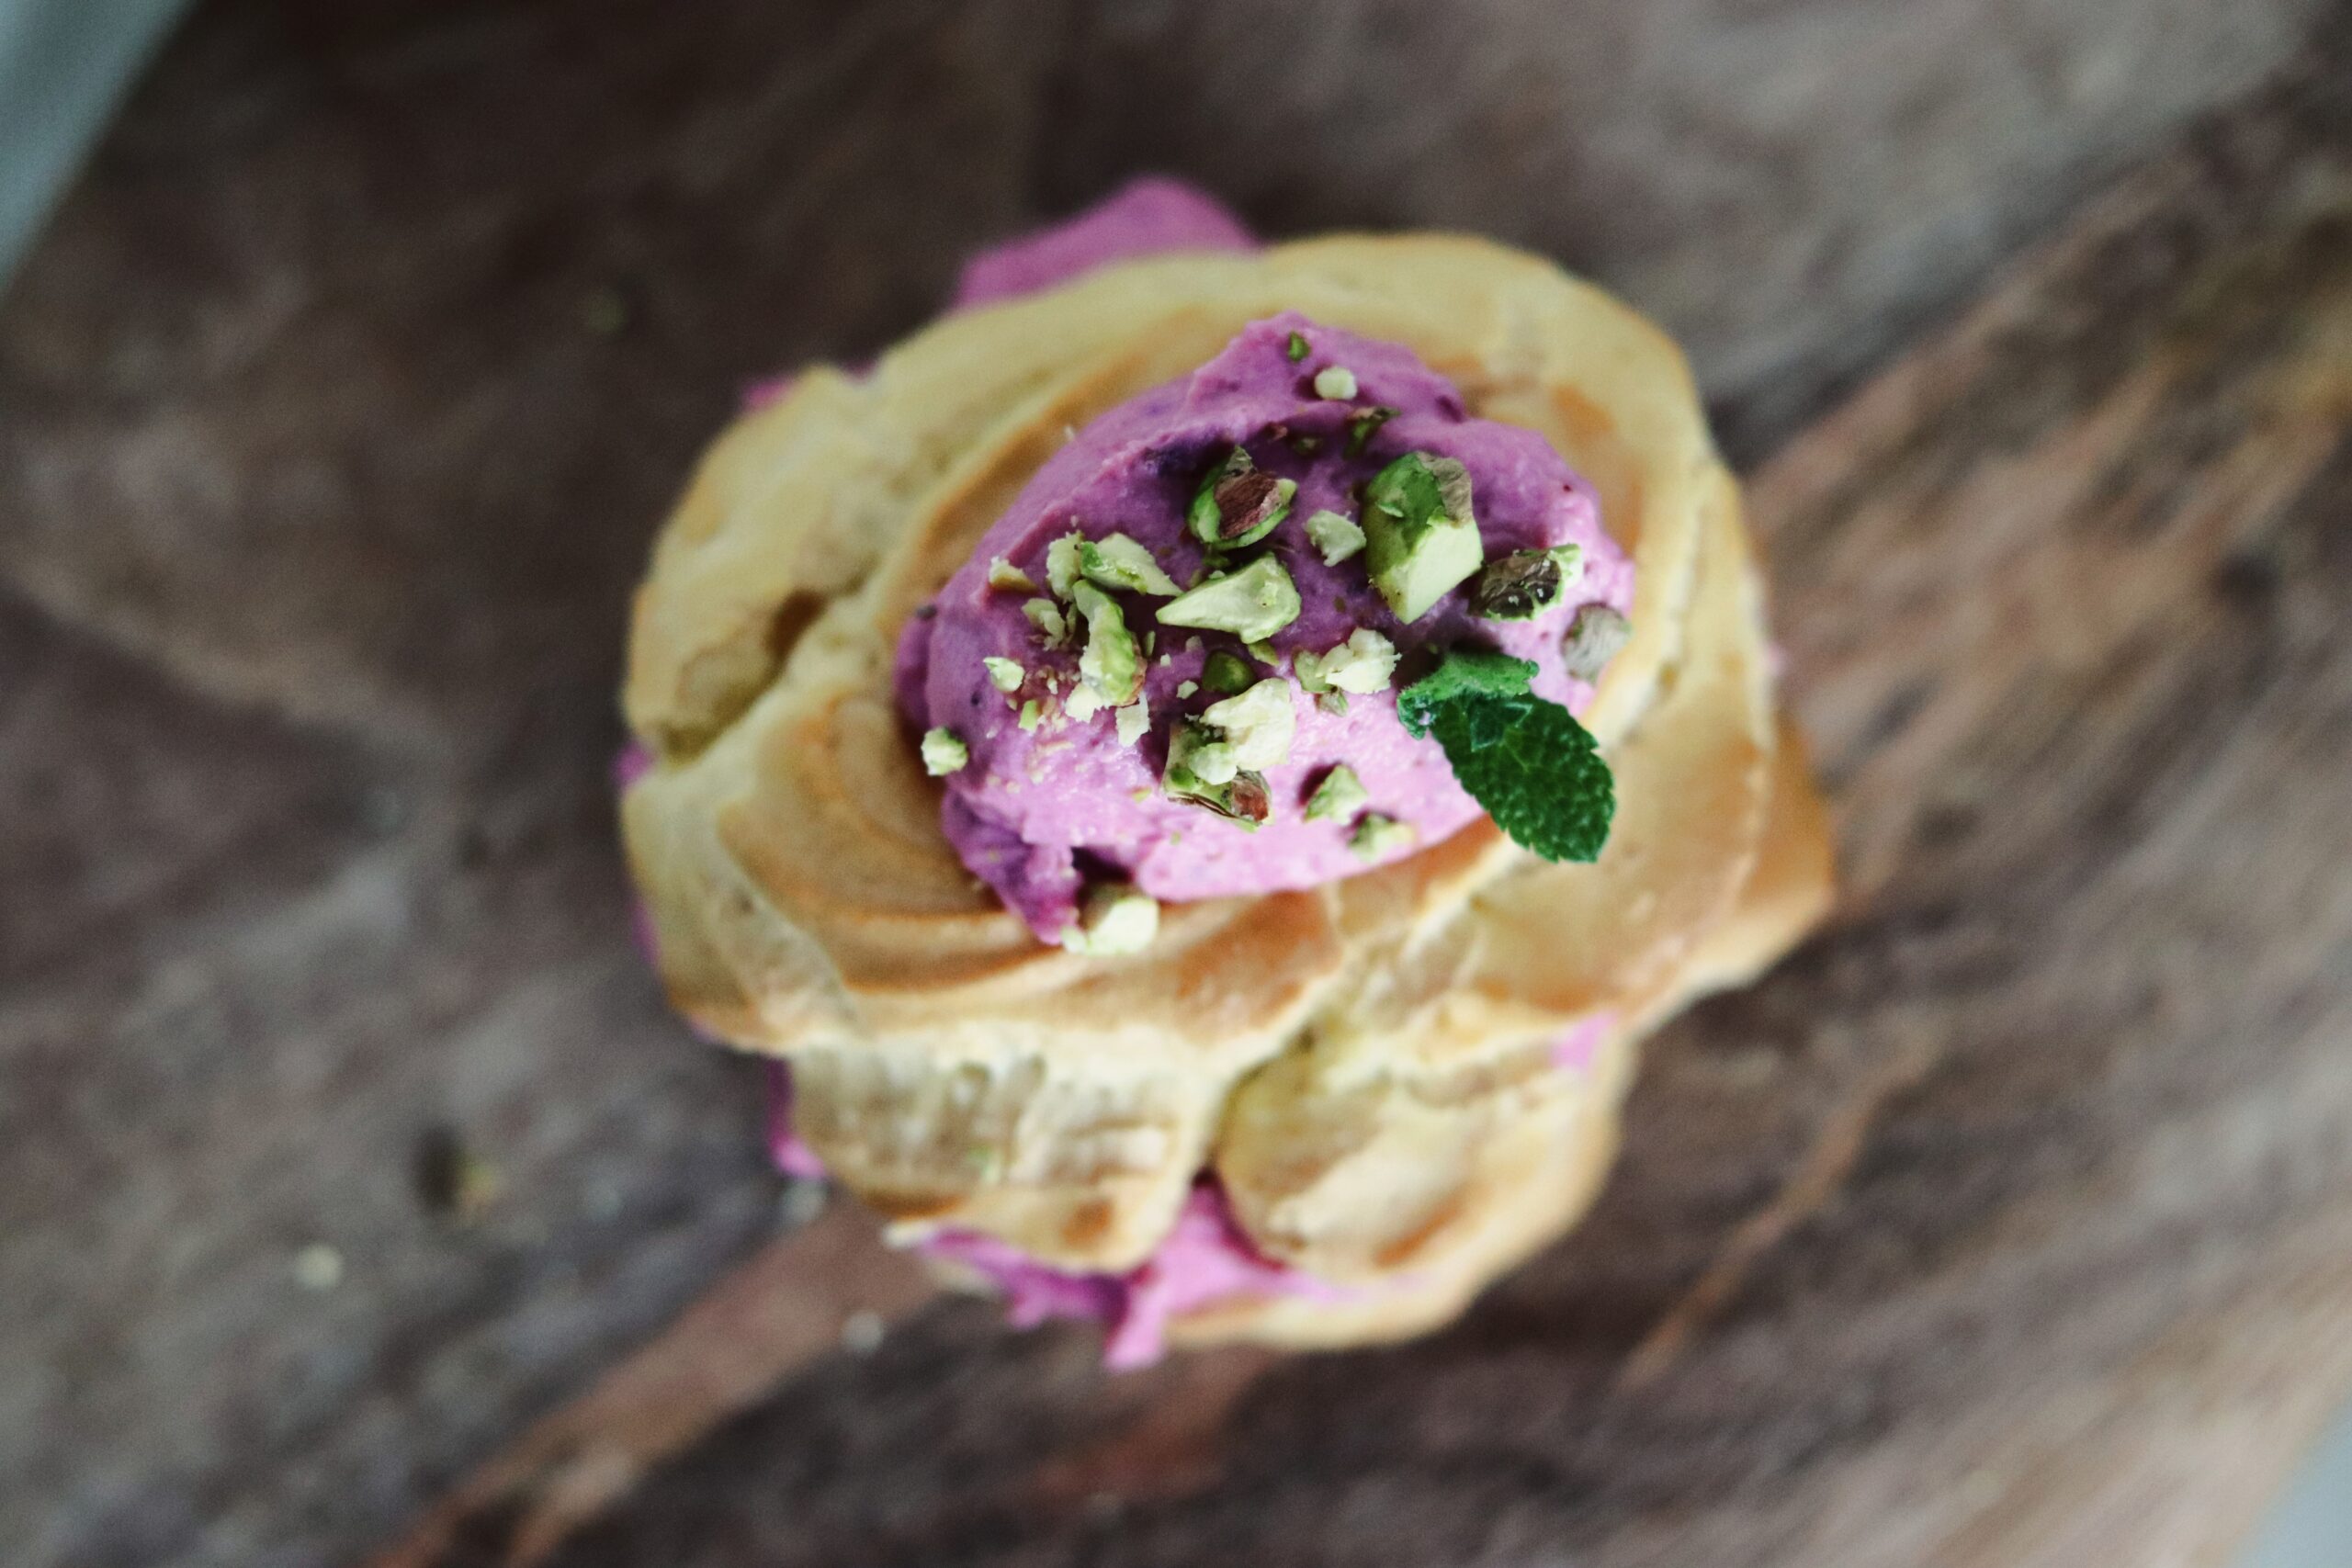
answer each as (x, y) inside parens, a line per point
(1206, 1258)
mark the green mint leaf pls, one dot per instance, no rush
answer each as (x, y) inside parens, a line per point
(1466, 672)
(1528, 761)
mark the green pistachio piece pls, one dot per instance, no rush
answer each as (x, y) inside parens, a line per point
(1238, 503)
(1420, 536)
(1111, 665)
(1118, 562)
(1008, 578)
(1062, 563)
(1363, 664)
(1361, 427)
(1296, 348)
(1202, 771)
(1593, 639)
(1340, 796)
(1263, 652)
(1224, 672)
(1336, 382)
(1114, 920)
(1259, 724)
(1333, 703)
(1133, 722)
(1255, 601)
(1031, 715)
(1335, 534)
(1185, 689)
(1377, 837)
(1004, 674)
(1524, 583)
(943, 753)
(1047, 618)
(1212, 763)
(1201, 756)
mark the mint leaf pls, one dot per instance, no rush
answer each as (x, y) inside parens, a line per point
(1465, 672)
(1528, 761)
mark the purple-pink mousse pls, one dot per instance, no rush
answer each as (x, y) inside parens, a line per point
(1205, 1259)
(1149, 216)
(1046, 803)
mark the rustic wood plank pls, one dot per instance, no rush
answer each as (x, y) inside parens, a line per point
(826, 1287)
(326, 470)
(335, 414)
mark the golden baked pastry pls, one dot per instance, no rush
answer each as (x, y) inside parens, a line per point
(1403, 1081)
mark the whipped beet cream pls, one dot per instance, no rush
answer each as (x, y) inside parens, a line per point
(1049, 795)
(1525, 498)
(1205, 1259)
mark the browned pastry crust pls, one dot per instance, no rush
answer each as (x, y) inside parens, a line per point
(1367, 1067)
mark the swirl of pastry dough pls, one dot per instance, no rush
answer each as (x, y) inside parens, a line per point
(1401, 1082)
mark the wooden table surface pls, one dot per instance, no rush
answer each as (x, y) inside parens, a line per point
(342, 1139)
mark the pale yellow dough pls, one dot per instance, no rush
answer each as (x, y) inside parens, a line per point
(1367, 1066)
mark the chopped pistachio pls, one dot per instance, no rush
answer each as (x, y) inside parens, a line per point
(1111, 666)
(1453, 486)
(1336, 382)
(1305, 445)
(1422, 539)
(1259, 724)
(1196, 754)
(1524, 583)
(943, 753)
(1185, 689)
(1211, 760)
(1191, 645)
(1004, 674)
(1031, 714)
(1062, 563)
(1296, 348)
(1594, 639)
(1333, 703)
(1113, 918)
(1362, 426)
(1047, 618)
(1117, 561)
(1363, 664)
(1336, 534)
(1224, 672)
(1377, 837)
(1340, 796)
(1004, 575)
(1254, 603)
(1201, 771)
(1238, 503)
(1081, 705)
(1134, 721)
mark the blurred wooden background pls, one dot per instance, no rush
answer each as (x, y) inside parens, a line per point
(342, 1135)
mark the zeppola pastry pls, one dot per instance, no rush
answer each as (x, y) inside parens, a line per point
(1205, 761)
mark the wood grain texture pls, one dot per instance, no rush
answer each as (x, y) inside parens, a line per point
(828, 1286)
(335, 413)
